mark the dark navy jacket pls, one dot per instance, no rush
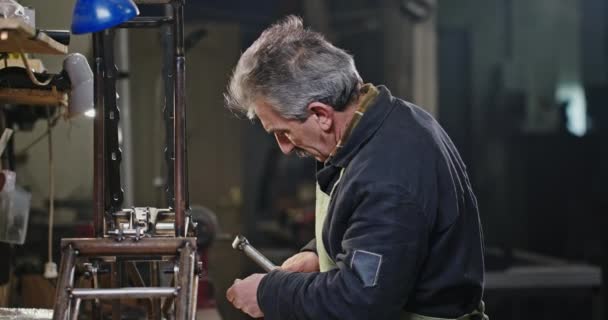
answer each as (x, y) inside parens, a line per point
(402, 226)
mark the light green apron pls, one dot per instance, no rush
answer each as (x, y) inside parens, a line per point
(326, 263)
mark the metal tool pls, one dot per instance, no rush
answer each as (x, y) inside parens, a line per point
(242, 244)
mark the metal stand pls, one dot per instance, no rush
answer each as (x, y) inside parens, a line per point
(90, 258)
(125, 238)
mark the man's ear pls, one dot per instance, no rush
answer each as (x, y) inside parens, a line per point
(323, 113)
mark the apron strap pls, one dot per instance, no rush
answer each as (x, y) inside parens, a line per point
(326, 263)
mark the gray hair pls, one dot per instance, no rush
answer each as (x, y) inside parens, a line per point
(290, 67)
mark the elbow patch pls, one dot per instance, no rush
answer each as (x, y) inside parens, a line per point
(366, 266)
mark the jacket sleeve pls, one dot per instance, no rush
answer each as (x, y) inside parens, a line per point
(384, 245)
(310, 246)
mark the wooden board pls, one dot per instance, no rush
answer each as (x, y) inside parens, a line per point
(19, 35)
(33, 97)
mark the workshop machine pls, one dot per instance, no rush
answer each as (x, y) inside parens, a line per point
(143, 253)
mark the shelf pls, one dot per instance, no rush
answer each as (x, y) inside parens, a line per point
(20, 35)
(33, 97)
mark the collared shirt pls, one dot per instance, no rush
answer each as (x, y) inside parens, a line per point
(402, 226)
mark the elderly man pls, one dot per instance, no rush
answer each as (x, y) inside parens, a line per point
(397, 226)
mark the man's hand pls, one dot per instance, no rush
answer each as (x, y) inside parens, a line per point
(243, 295)
(302, 262)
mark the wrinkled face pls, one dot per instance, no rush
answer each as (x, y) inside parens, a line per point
(305, 138)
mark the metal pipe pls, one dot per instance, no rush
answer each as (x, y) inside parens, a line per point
(115, 282)
(164, 226)
(98, 139)
(135, 276)
(194, 296)
(154, 282)
(242, 244)
(145, 246)
(72, 276)
(124, 293)
(180, 179)
(126, 123)
(96, 309)
(166, 307)
(168, 75)
(75, 309)
(187, 260)
(62, 299)
(112, 117)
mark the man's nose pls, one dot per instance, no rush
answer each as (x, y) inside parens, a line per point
(285, 145)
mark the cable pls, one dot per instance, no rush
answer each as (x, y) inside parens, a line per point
(50, 268)
(40, 137)
(51, 183)
(30, 74)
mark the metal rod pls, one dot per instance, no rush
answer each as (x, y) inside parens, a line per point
(115, 280)
(180, 179)
(154, 282)
(187, 260)
(95, 304)
(168, 302)
(146, 22)
(75, 309)
(4, 157)
(96, 310)
(164, 226)
(143, 247)
(241, 243)
(72, 275)
(112, 117)
(194, 295)
(62, 299)
(124, 293)
(126, 123)
(98, 139)
(135, 276)
(168, 76)
(259, 259)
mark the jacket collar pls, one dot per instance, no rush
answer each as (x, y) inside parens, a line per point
(377, 111)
